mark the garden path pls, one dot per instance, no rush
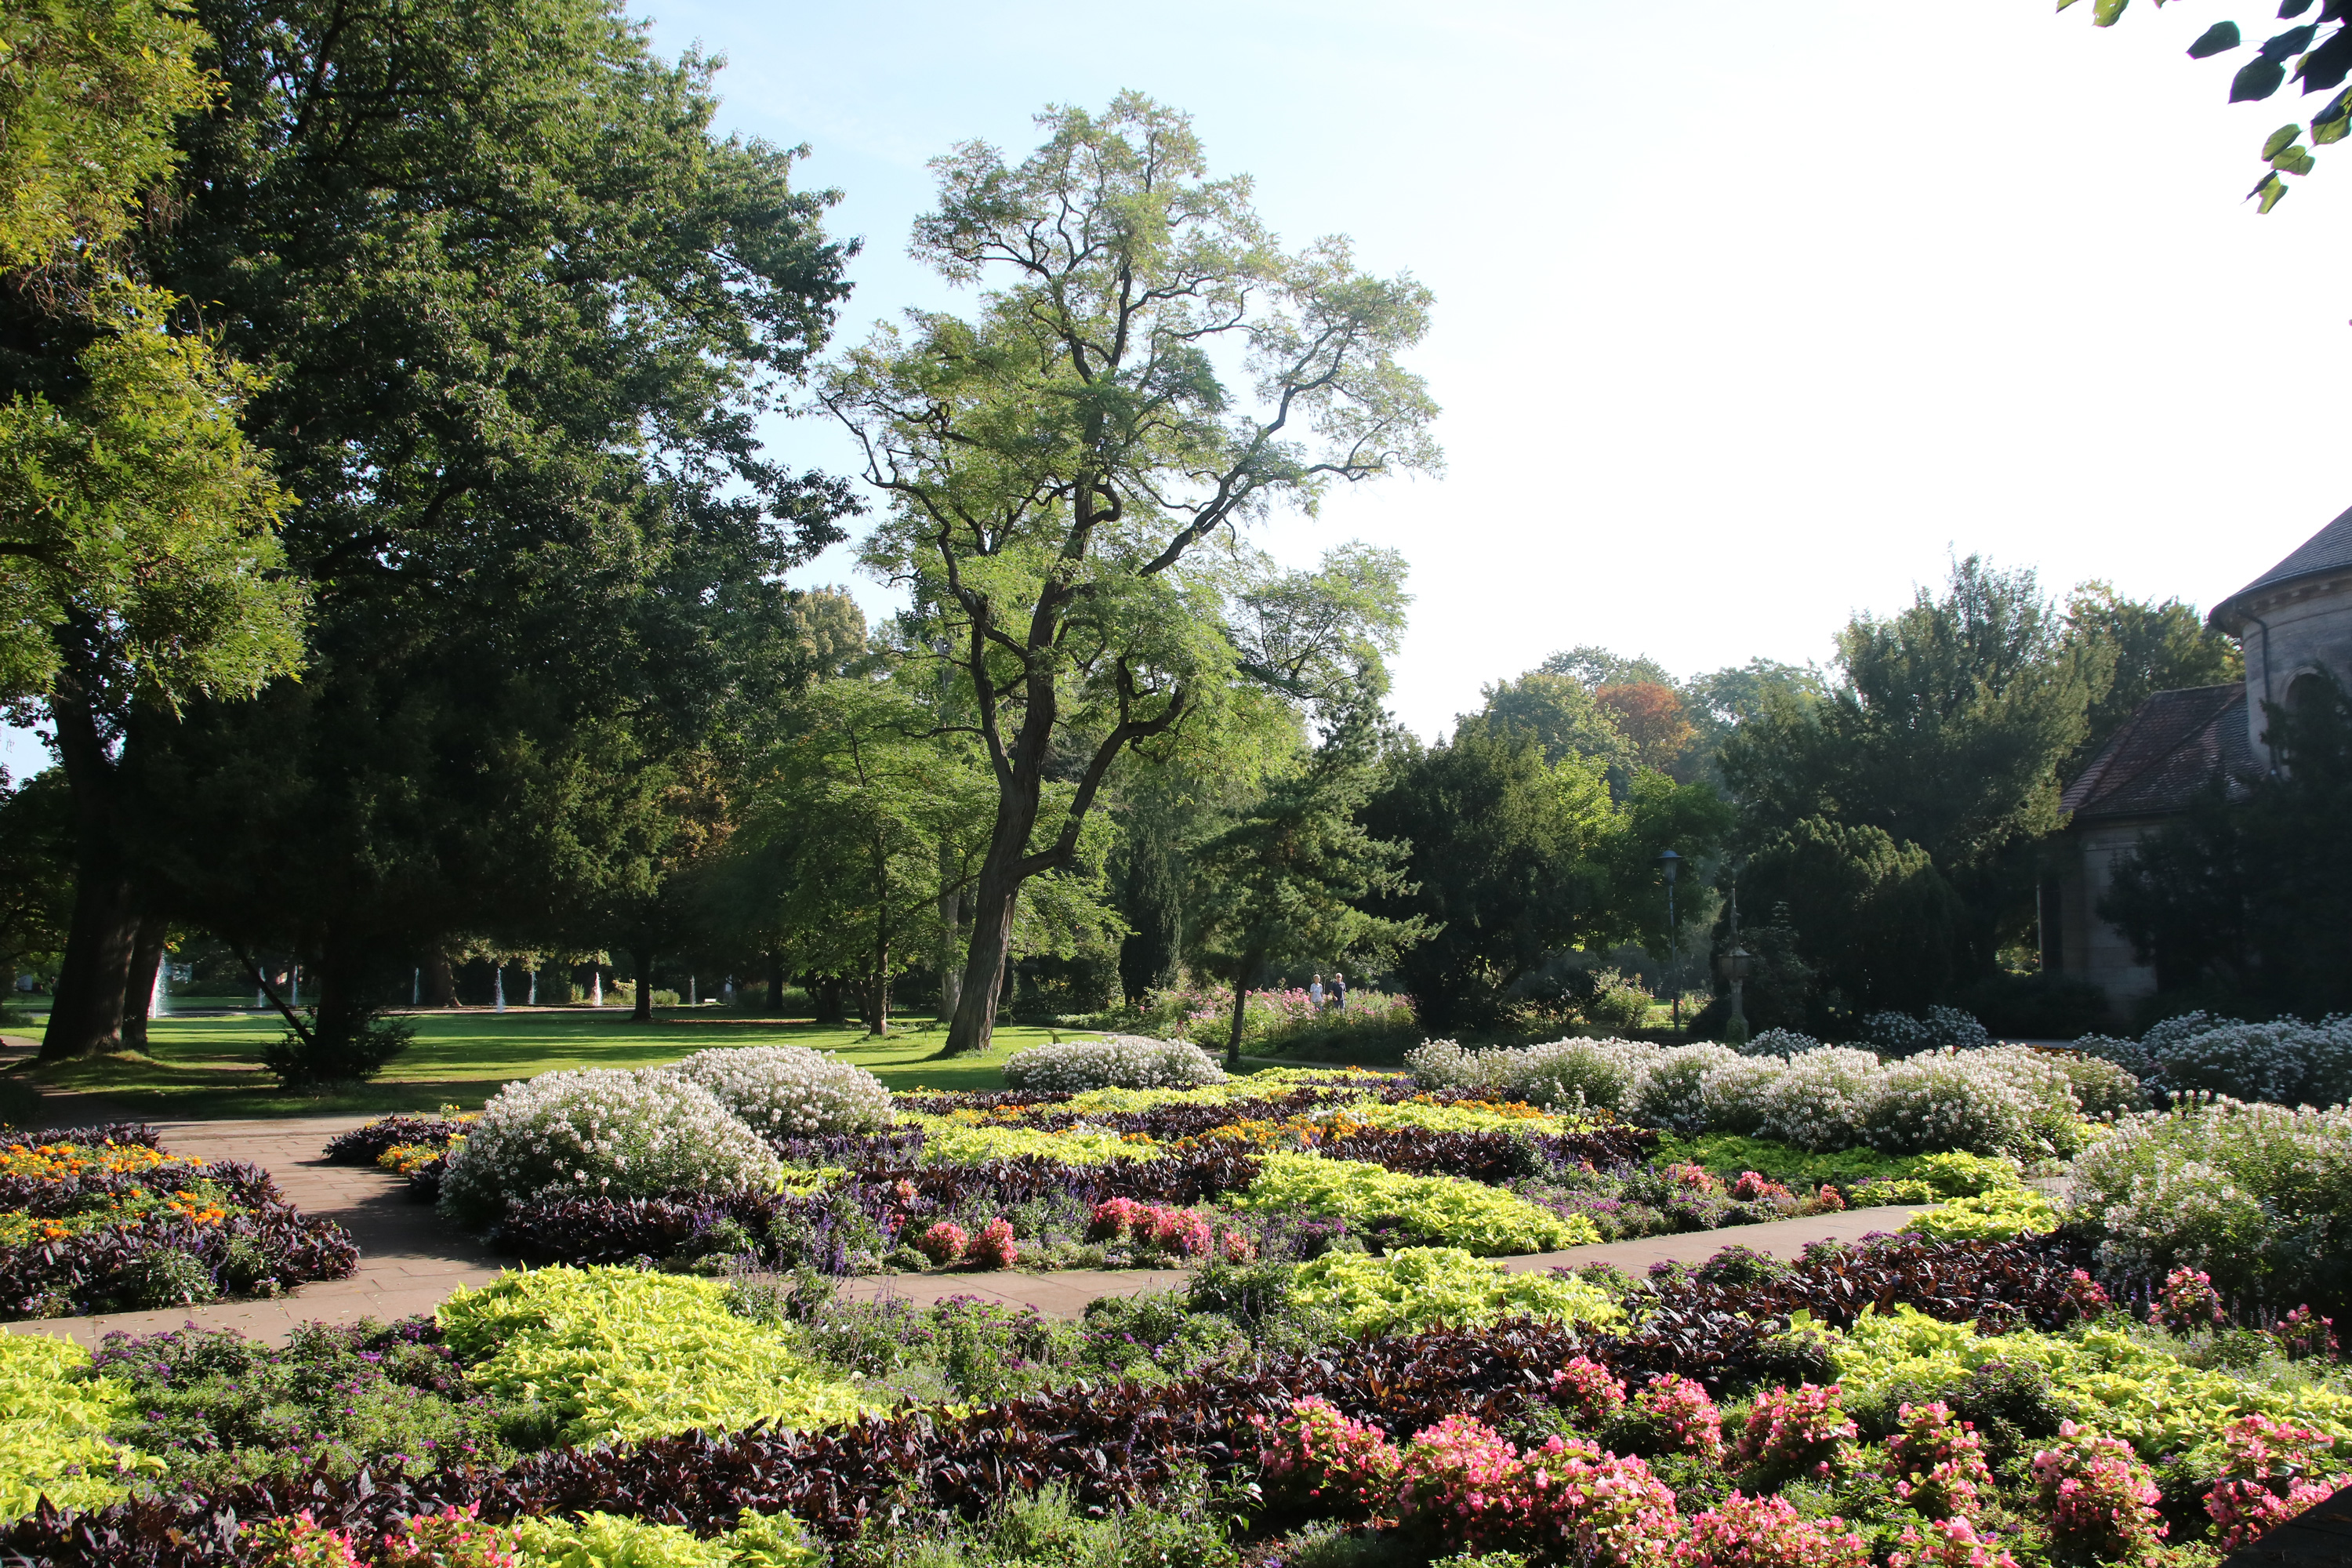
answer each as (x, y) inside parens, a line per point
(409, 1261)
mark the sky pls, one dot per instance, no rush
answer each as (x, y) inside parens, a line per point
(1749, 317)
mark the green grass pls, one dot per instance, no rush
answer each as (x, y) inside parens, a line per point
(201, 1067)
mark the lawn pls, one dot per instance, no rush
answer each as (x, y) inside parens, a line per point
(211, 1066)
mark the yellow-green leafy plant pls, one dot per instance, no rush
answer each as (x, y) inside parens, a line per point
(2001, 1214)
(611, 1541)
(1445, 1211)
(618, 1353)
(53, 1420)
(1426, 1287)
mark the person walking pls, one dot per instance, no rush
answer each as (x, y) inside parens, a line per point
(1338, 993)
(1315, 994)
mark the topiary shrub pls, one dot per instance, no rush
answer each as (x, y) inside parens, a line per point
(791, 1091)
(600, 1133)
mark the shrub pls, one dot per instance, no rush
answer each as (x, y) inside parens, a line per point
(600, 1133)
(1800, 1431)
(2257, 1197)
(1943, 1101)
(994, 1247)
(328, 1057)
(1117, 1061)
(1942, 1029)
(1818, 1102)
(1736, 1095)
(1618, 1001)
(1607, 1074)
(1938, 1461)
(618, 1353)
(1950, 1543)
(2187, 1303)
(2100, 1498)
(1768, 1532)
(1674, 1415)
(1444, 1211)
(791, 1091)
(1588, 1391)
(1329, 1456)
(1421, 1288)
(943, 1242)
(2103, 1087)
(2273, 1470)
(2303, 1335)
(2285, 1062)
(1673, 1092)
(1779, 1043)
(53, 1419)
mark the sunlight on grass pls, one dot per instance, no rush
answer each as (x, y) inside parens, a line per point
(201, 1067)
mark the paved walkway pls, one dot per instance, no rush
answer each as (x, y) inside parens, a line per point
(409, 1261)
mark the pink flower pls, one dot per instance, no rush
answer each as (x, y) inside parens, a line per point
(2188, 1302)
(1685, 1417)
(994, 1247)
(1766, 1532)
(2274, 1470)
(2303, 1334)
(1799, 1431)
(1951, 1543)
(1939, 1462)
(1588, 1391)
(943, 1242)
(453, 1538)
(2100, 1498)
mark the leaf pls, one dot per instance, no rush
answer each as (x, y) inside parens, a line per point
(2283, 47)
(2328, 65)
(2293, 160)
(2294, 8)
(2270, 191)
(2258, 79)
(2280, 140)
(2105, 11)
(2218, 38)
(2327, 133)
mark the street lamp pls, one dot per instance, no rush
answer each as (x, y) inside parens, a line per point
(1738, 966)
(1670, 863)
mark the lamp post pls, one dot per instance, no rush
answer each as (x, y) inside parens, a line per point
(1670, 863)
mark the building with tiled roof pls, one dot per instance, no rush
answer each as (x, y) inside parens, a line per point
(2292, 621)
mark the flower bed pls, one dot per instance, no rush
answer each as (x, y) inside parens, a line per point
(103, 1220)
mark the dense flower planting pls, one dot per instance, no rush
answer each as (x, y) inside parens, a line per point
(103, 1220)
(1119, 1061)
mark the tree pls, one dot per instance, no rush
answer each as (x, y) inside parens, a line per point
(1945, 732)
(519, 310)
(2147, 648)
(1648, 713)
(1055, 465)
(1720, 702)
(1591, 666)
(2251, 889)
(866, 817)
(1560, 713)
(2321, 53)
(138, 550)
(1876, 923)
(1504, 866)
(35, 869)
(1285, 883)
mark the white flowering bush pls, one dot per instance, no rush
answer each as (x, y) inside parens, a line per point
(1673, 1093)
(791, 1091)
(2259, 1196)
(1949, 1099)
(2286, 1061)
(1817, 1103)
(1779, 1043)
(1115, 1061)
(1943, 1028)
(1736, 1095)
(1608, 1074)
(600, 1132)
(2103, 1088)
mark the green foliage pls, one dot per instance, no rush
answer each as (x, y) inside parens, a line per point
(1190, 1524)
(596, 1540)
(616, 1354)
(1559, 713)
(1419, 1288)
(2248, 893)
(1444, 1211)
(1908, 800)
(1285, 885)
(2000, 1216)
(54, 1420)
(1052, 463)
(2147, 648)
(1942, 1176)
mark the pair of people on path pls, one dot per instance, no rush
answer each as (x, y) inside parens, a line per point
(1336, 997)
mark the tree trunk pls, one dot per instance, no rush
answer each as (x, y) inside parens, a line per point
(825, 992)
(1241, 1000)
(85, 1017)
(950, 961)
(643, 1012)
(139, 989)
(775, 985)
(440, 981)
